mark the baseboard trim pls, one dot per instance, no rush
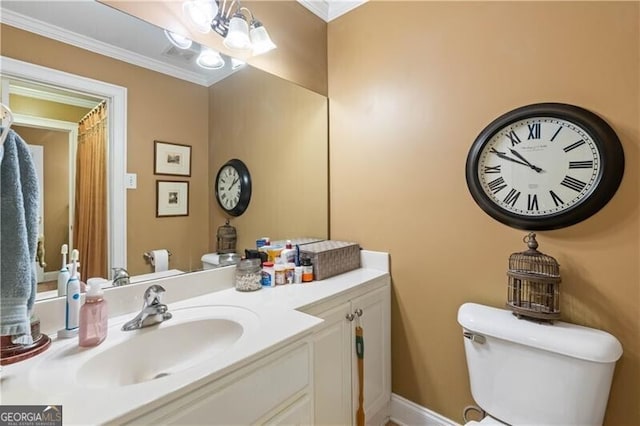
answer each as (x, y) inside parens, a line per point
(407, 413)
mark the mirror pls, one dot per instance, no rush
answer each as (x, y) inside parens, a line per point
(243, 115)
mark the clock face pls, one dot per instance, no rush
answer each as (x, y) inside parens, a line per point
(233, 187)
(228, 187)
(545, 166)
(539, 166)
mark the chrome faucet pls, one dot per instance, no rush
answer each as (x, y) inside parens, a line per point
(153, 310)
(120, 277)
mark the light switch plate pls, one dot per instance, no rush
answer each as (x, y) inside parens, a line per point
(131, 181)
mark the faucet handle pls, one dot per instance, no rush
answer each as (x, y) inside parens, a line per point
(153, 295)
(119, 273)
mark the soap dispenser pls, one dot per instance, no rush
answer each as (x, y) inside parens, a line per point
(94, 316)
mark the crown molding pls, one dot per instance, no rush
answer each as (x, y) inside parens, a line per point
(329, 10)
(52, 97)
(320, 8)
(44, 29)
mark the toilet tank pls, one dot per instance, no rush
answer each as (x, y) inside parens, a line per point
(524, 372)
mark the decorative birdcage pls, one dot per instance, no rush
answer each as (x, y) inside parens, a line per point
(534, 283)
(226, 238)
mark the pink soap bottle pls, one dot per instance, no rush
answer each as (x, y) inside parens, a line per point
(94, 316)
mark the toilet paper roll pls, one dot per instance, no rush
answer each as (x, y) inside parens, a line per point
(160, 260)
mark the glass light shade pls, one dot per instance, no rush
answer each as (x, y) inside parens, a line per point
(179, 41)
(260, 39)
(238, 36)
(210, 59)
(200, 13)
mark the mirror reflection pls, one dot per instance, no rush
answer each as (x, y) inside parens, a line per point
(272, 141)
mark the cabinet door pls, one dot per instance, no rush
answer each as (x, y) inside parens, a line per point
(332, 368)
(298, 413)
(376, 326)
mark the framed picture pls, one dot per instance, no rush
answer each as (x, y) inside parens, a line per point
(171, 159)
(172, 198)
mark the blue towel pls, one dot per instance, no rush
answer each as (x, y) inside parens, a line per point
(19, 211)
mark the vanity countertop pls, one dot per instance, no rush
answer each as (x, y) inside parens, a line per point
(279, 322)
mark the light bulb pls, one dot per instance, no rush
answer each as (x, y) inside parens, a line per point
(210, 59)
(200, 13)
(238, 36)
(260, 39)
(179, 41)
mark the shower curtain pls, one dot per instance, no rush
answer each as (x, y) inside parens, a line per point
(90, 223)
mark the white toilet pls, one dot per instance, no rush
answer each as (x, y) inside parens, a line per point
(210, 260)
(528, 373)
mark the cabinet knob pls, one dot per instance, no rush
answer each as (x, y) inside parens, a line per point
(358, 312)
(350, 317)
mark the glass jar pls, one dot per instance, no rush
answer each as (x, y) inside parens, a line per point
(248, 275)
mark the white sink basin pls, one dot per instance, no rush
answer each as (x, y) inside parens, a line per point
(159, 352)
(192, 336)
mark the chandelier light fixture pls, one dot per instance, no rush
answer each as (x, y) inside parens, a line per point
(229, 19)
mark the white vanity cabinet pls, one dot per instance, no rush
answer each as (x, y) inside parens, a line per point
(334, 355)
(274, 390)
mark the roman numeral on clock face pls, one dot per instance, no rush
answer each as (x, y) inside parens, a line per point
(581, 164)
(556, 200)
(534, 131)
(492, 169)
(573, 183)
(532, 202)
(497, 185)
(573, 145)
(512, 197)
(515, 140)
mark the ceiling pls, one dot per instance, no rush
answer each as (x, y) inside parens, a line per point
(99, 28)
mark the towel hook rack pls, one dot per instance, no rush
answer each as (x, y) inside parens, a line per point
(7, 120)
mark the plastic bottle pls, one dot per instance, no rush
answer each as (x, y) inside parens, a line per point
(307, 270)
(297, 275)
(268, 279)
(289, 272)
(72, 305)
(288, 254)
(279, 274)
(94, 316)
(63, 275)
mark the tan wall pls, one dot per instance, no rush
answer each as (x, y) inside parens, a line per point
(47, 109)
(407, 101)
(301, 36)
(279, 131)
(56, 189)
(159, 107)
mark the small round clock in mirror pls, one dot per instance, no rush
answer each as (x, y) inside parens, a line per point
(233, 187)
(545, 166)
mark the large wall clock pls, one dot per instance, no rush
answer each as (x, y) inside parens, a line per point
(233, 187)
(544, 166)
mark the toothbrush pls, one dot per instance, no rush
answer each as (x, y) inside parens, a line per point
(63, 275)
(72, 312)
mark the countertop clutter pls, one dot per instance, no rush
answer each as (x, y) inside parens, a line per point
(151, 366)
